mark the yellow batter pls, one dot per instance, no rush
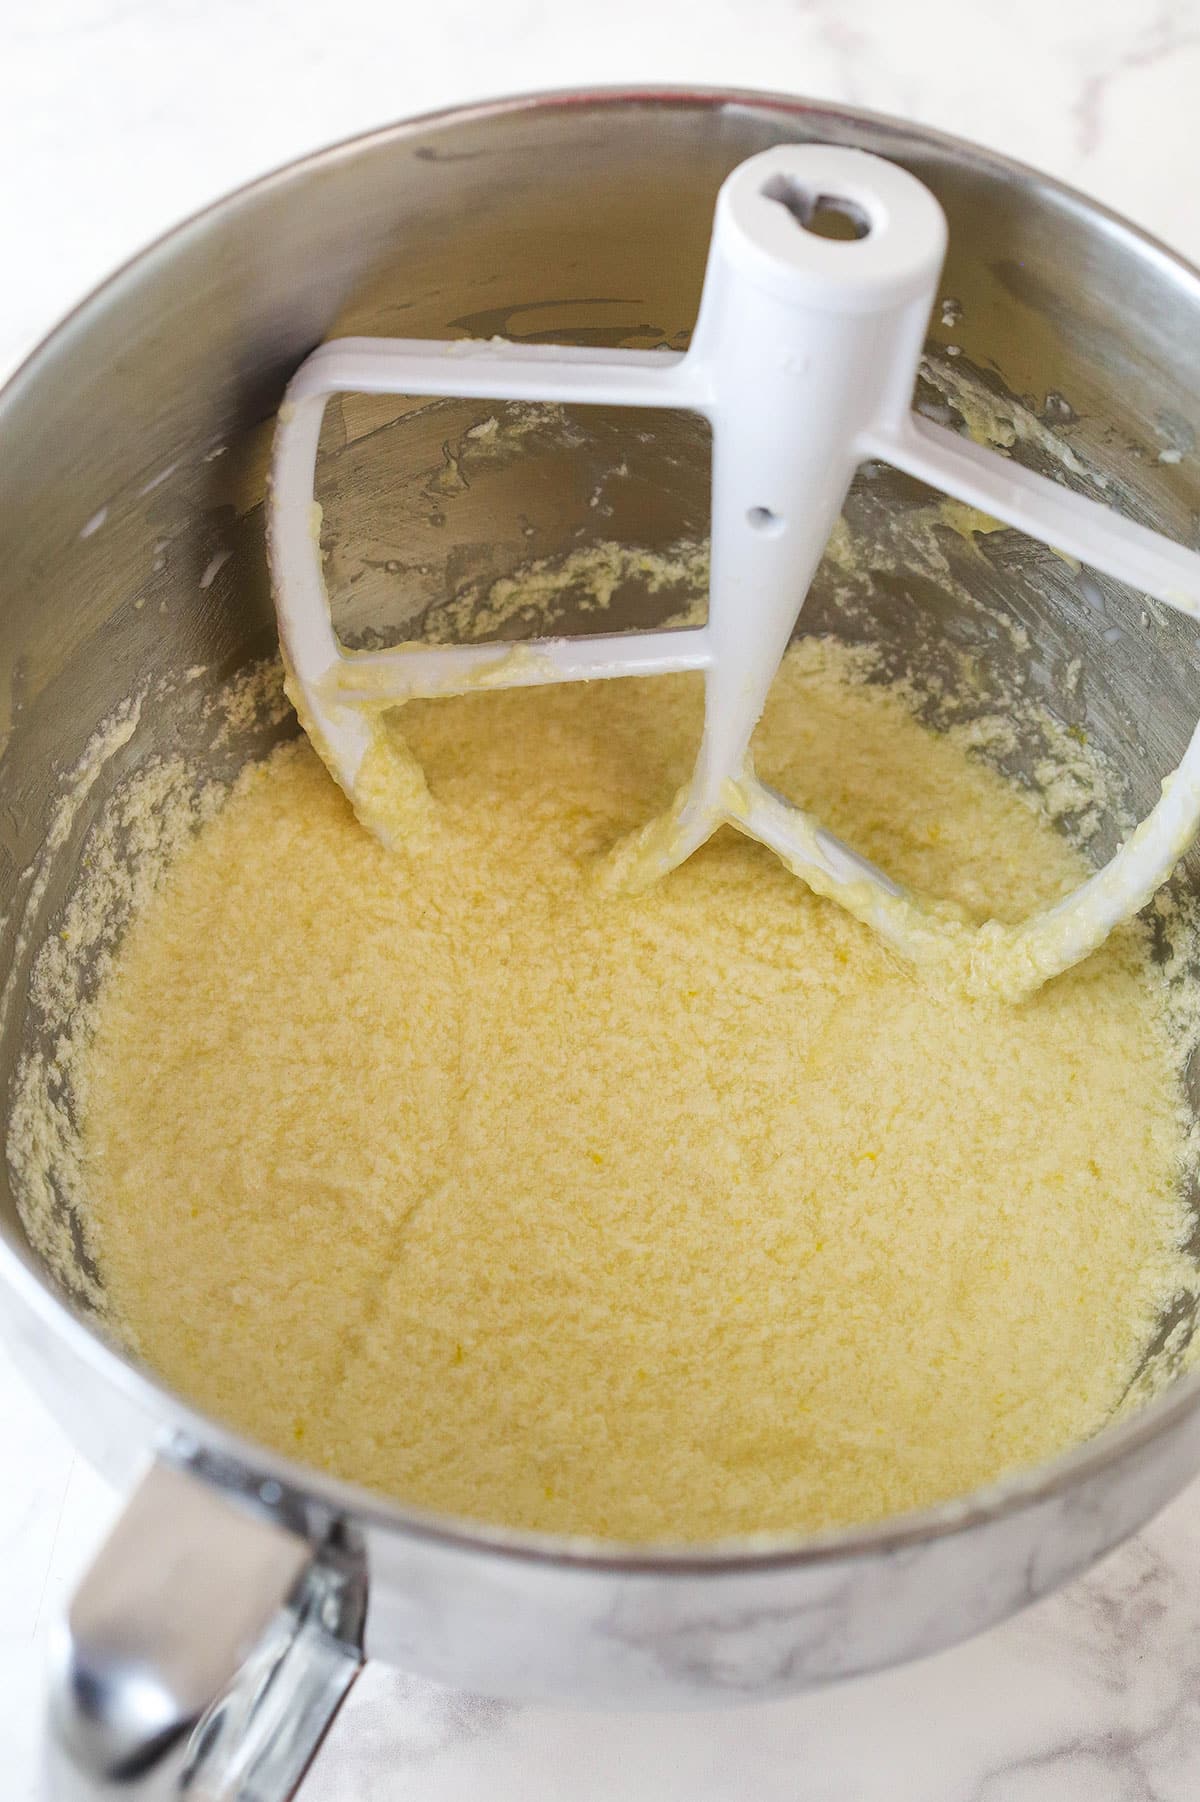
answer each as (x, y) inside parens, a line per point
(672, 1216)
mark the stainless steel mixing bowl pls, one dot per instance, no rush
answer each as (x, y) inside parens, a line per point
(131, 550)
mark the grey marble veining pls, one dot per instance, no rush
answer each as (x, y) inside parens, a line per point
(1092, 1696)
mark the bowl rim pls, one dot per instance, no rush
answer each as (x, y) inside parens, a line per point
(246, 1467)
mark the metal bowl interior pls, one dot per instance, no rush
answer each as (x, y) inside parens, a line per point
(131, 539)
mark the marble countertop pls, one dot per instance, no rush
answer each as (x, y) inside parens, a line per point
(117, 117)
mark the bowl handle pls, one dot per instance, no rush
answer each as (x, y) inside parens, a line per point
(203, 1655)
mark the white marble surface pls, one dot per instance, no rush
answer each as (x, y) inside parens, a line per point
(119, 116)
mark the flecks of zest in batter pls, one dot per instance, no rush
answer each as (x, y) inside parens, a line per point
(670, 1217)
